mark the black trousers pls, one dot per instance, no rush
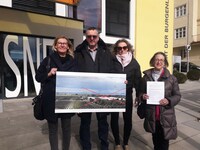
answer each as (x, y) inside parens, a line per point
(85, 130)
(158, 138)
(127, 116)
(66, 133)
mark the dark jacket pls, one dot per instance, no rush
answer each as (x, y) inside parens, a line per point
(49, 83)
(132, 71)
(85, 63)
(167, 113)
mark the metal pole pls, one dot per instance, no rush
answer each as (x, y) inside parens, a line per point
(187, 35)
(188, 54)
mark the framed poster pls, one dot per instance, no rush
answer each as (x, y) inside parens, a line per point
(90, 92)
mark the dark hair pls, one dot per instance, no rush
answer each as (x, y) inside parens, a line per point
(92, 28)
(152, 61)
(130, 47)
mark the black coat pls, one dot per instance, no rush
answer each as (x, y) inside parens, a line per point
(132, 71)
(49, 83)
(103, 62)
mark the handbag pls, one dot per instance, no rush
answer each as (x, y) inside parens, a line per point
(141, 110)
(38, 101)
(37, 106)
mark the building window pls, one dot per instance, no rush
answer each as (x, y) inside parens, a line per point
(180, 11)
(180, 33)
(90, 12)
(37, 6)
(117, 17)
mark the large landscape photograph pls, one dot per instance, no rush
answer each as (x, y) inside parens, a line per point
(90, 92)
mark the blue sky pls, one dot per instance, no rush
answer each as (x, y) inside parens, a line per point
(98, 84)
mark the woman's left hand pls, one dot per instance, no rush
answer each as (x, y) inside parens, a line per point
(126, 82)
(164, 102)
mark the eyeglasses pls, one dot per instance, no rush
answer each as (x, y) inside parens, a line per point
(159, 60)
(91, 36)
(60, 43)
(122, 48)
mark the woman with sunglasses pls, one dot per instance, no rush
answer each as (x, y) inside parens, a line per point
(124, 62)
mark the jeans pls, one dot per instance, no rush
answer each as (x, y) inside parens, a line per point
(85, 130)
(66, 133)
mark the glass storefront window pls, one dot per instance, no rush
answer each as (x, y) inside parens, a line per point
(117, 18)
(90, 12)
(20, 57)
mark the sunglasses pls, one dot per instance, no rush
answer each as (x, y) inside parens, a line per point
(122, 48)
(91, 36)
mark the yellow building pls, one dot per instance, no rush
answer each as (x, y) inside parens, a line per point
(154, 30)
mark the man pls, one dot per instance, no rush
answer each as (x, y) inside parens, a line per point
(93, 56)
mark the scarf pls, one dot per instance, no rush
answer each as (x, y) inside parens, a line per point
(124, 59)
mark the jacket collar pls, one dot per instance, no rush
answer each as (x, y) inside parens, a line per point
(84, 45)
(164, 76)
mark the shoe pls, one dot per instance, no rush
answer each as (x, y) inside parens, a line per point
(126, 147)
(118, 147)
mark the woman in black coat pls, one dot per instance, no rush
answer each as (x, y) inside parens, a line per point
(62, 59)
(124, 62)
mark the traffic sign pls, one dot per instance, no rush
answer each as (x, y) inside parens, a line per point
(188, 47)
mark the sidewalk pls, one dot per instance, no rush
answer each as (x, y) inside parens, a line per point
(20, 131)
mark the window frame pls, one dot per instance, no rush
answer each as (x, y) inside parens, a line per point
(114, 16)
(180, 32)
(180, 11)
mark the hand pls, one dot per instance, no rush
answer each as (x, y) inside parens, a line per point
(145, 96)
(164, 102)
(126, 82)
(52, 71)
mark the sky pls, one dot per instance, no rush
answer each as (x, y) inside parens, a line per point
(92, 84)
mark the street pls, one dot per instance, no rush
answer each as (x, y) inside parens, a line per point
(191, 100)
(20, 131)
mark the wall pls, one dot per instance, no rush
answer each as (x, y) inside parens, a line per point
(154, 30)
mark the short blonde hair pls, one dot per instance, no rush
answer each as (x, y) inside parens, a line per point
(69, 43)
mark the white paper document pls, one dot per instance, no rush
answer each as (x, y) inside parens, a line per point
(156, 92)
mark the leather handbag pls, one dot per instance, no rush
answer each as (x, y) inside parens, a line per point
(37, 106)
(38, 100)
(141, 110)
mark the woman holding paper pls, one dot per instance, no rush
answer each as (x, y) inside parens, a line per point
(61, 59)
(160, 119)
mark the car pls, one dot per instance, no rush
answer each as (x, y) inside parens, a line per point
(184, 66)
